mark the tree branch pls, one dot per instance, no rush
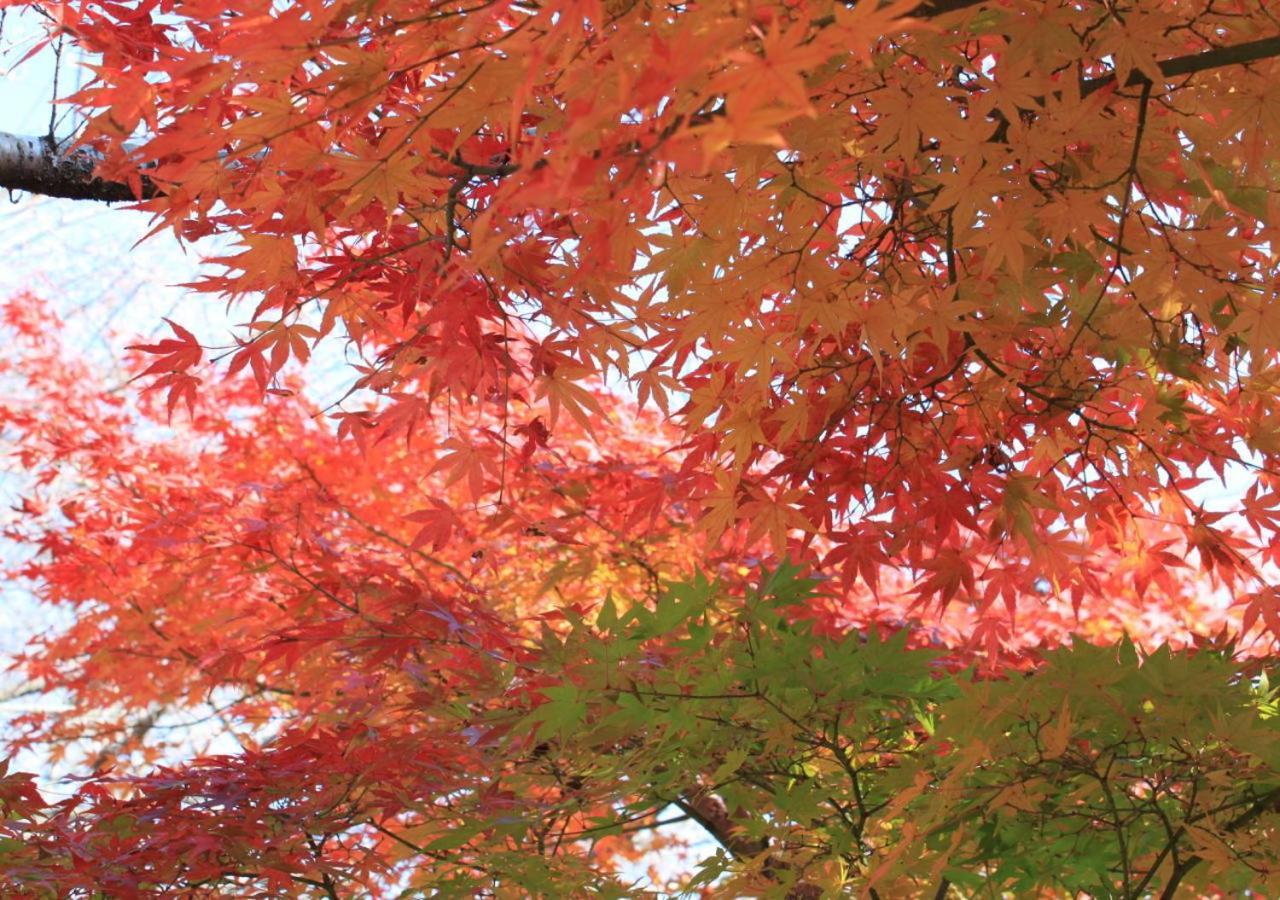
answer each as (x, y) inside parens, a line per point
(931, 8)
(1268, 802)
(38, 166)
(710, 812)
(1235, 55)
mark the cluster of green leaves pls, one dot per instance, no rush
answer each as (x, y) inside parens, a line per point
(835, 762)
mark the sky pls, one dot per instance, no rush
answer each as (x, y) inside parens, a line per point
(86, 260)
(80, 257)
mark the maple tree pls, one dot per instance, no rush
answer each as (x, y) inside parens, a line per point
(960, 305)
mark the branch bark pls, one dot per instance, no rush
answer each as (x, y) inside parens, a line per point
(710, 812)
(38, 166)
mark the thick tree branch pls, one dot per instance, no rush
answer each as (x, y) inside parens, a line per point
(36, 165)
(710, 812)
(931, 8)
(1235, 55)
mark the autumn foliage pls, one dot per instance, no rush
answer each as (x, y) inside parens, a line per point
(851, 428)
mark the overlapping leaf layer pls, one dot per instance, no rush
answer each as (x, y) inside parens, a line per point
(965, 306)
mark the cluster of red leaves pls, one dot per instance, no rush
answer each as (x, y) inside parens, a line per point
(921, 298)
(345, 614)
(348, 606)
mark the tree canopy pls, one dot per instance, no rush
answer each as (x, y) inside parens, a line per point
(800, 419)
